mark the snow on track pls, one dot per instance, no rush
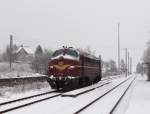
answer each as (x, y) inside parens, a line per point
(8, 96)
(107, 103)
(66, 105)
(22, 103)
(77, 92)
(87, 99)
(103, 82)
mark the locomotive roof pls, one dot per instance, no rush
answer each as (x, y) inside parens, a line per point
(86, 54)
(81, 52)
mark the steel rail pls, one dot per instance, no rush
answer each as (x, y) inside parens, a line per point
(25, 98)
(91, 89)
(86, 91)
(117, 103)
(43, 99)
(27, 104)
(89, 104)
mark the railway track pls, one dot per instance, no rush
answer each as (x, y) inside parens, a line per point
(121, 97)
(111, 109)
(5, 106)
(112, 77)
(103, 82)
(84, 90)
(82, 104)
(26, 101)
(25, 98)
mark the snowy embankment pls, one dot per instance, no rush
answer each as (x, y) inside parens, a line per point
(19, 70)
(8, 96)
(8, 91)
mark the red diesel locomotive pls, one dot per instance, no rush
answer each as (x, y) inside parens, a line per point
(70, 68)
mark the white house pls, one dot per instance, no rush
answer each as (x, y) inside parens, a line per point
(24, 54)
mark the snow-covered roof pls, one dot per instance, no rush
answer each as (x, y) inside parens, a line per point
(28, 50)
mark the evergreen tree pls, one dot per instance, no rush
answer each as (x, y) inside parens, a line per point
(38, 51)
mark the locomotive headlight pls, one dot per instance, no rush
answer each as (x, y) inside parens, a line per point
(71, 67)
(51, 77)
(51, 67)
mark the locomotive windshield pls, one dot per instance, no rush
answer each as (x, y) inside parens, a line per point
(65, 52)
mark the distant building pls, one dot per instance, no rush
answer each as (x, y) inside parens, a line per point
(24, 55)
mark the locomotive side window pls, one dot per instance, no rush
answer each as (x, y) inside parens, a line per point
(72, 53)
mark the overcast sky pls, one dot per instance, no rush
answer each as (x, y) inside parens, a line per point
(77, 23)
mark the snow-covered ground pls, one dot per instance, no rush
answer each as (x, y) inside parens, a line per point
(66, 105)
(18, 70)
(136, 101)
(8, 96)
(8, 92)
(139, 102)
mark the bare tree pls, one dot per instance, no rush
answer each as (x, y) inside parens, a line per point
(110, 67)
(41, 59)
(123, 66)
(113, 67)
(139, 68)
(146, 59)
(89, 50)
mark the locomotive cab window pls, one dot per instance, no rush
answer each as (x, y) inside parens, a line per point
(65, 52)
(57, 53)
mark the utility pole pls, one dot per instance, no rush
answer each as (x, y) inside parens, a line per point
(119, 48)
(100, 65)
(130, 65)
(126, 61)
(11, 46)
